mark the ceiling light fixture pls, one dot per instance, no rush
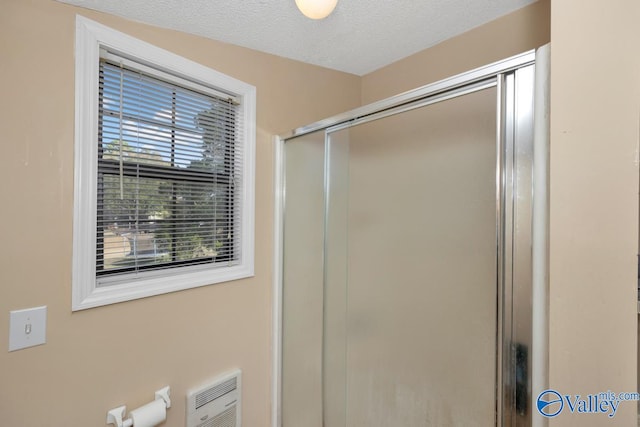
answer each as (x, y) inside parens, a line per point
(316, 9)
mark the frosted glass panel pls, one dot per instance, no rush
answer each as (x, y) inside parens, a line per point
(335, 294)
(421, 261)
(302, 316)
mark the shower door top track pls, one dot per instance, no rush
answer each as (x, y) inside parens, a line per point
(487, 72)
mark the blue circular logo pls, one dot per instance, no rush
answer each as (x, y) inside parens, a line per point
(550, 403)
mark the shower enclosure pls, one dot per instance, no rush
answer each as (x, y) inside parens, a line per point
(405, 277)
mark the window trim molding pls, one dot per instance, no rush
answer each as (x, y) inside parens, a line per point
(90, 38)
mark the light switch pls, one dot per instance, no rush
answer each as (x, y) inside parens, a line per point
(27, 327)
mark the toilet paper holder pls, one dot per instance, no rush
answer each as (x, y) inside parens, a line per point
(116, 415)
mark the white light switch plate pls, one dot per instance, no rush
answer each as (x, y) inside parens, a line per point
(27, 327)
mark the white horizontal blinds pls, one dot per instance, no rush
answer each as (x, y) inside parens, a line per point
(169, 165)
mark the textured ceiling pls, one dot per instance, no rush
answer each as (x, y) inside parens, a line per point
(360, 36)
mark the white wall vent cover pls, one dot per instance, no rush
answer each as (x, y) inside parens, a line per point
(216, 404)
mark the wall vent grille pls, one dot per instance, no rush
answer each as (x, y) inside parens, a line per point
(225, 419)
(217, 404)
(215, 392)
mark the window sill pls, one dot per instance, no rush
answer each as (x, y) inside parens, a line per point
(105, 295)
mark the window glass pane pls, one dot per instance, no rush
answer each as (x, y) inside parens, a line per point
(202, 223)
(130, 221)
(165, 192)
(157, 221)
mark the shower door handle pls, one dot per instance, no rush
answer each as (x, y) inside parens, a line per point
(521, 378)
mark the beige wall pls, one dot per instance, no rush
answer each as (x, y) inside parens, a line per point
(595, 91)
(120, 354)
(520, 31)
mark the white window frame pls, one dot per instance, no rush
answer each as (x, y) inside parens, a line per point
(91, 37)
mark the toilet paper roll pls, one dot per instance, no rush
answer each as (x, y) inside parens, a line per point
(149, 415)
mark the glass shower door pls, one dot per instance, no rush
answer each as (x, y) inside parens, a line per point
(406, 261)
(418, 323)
